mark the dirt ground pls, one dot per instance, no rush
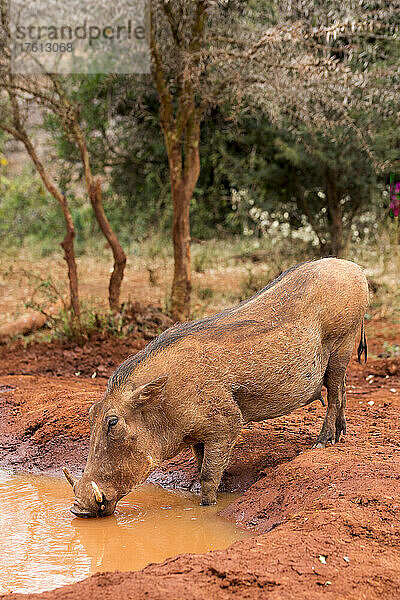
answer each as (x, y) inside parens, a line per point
(325, 522)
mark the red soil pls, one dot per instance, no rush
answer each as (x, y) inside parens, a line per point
(325, 522)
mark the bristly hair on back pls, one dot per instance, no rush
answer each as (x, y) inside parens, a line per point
(182, 330)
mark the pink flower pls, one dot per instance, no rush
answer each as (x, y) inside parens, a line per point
(395, 198)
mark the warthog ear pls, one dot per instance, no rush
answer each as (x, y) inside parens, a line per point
(150, 393)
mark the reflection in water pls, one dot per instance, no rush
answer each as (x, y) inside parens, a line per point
(42, 545)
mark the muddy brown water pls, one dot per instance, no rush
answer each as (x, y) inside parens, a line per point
(43, 546)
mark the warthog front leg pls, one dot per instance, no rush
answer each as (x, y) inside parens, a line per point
(217, 444)
(198, 453)
(216, 458)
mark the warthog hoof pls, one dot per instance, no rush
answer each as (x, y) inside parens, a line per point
(340, 427)
(206, 502)
(322, 444)
(325, 438)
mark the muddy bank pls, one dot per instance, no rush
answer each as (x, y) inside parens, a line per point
(97, 358)
(326, 523)
(44, 423)
(283, 564)
(44, 426)
(331, 523)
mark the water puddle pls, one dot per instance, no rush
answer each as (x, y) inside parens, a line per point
(43, 546)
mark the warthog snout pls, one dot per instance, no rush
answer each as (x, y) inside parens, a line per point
(90, 500)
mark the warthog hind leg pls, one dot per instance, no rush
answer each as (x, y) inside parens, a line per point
(335, 381)
(341, 418)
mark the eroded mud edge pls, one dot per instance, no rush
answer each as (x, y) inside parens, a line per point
(340, 504)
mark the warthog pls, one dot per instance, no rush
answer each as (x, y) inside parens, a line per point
(199, 382)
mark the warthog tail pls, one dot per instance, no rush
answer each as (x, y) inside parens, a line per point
(362, 346)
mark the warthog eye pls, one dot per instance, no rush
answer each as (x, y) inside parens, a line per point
(111, 422)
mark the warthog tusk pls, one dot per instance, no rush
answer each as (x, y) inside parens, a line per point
(71, 480)
(97, 493)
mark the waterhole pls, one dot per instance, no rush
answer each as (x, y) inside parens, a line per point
(43, 546)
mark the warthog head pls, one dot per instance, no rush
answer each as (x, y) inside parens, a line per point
(124, 447)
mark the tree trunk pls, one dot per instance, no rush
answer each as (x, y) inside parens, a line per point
(93, 186)
(68, 242)
(183, 176)
(181, 283)
(69, 255)
(114, 286)
(70, 116)
(19, 132)
(335, 216)
(180, 117)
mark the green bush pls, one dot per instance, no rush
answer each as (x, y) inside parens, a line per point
(27, 212)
